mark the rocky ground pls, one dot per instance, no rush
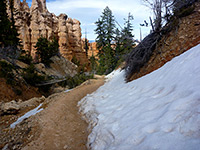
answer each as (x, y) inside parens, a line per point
(58, 126)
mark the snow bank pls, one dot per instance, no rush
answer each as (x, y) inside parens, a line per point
(68, 90)
(27, 115)
(159, 111)
(113, 74)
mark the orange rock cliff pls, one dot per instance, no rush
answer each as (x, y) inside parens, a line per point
(37, 21)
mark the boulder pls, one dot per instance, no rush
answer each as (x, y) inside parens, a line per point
(10, 108)
(14, 107)
(33, 102)
(59, 68)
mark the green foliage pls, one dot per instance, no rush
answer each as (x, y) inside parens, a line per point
(93, 64)
(105, 35)
(46, 49)
(100, 33)
(124, 40)
(25, 57)
(113, 44)
(105, 28)
(72, 82)
(8, 32)
(6, 71)
(86, 47)
(127, 36)
(107, 61)
(31, 76)
(81, 67)
(75, 61)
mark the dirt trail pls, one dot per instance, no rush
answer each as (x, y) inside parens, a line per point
(61, 124)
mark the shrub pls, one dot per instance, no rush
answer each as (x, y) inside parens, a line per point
(31, 76)
(72, 82)
(6, 71)
(75, 61)
(141, 54)
(46, 49)
(25, 57)
(17, 91)
(93, 64)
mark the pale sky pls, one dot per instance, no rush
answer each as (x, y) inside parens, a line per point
(88, 11)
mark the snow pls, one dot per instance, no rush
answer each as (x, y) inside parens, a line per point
(159, 111)
(27, 115)
(67, 90)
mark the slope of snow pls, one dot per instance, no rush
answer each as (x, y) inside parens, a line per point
(27, 115)
(160, 111)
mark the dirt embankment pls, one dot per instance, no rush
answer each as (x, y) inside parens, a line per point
(23, 92)
(184, 36)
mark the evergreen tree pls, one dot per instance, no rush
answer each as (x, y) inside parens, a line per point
(105, 35)
(127, 36)
(118, 42)
(124, 40)
(100, 34)
(86, 46)
(109, 25)
(46, 49)
(14, 32)
(5, 25)
(93, 64)
(8, 32)
(53, 47)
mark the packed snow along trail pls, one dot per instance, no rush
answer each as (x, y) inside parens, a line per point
(27, 115)
(61, 124)
(160, 111)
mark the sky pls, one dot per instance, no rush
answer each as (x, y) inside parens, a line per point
(88, 12)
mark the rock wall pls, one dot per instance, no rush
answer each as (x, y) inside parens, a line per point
(185, 36)
(37, 21)
(92, 51)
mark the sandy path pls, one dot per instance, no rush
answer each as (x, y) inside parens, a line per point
(61, 124)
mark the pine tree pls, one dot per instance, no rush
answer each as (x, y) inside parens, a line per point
(124, 40)
(127, 36)
(86, 47)
(8, 32)
(46, 49)
(100, 34)
(93, 64)
(5, 25)
(105, 35)
(118, 42)
(109, 25)
(14, 32)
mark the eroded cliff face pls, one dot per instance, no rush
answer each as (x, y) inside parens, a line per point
(92, 48)
(37, 21)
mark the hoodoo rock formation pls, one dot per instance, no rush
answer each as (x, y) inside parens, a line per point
(37, 21)
(93, 51)
(92, 48)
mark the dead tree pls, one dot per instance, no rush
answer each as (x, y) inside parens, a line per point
(160, 8)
